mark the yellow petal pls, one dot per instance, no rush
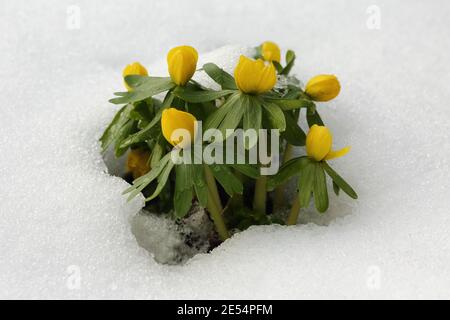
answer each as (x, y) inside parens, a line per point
(318, 142)
(254, 76)
(182, 62)
(337, 154)
(270, 51)
(268, 78)
(323, 87)
(137, 162)
(173, 119)
(133, 69)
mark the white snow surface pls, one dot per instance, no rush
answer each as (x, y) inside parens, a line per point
(63, 216)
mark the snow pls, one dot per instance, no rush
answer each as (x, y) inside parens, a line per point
(65, 229)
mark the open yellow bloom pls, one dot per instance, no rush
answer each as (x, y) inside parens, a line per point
(172, 120)
(182, 62)
(137, 162)
(318, 144)
(134, 69)
(254, 76)
(323, 87)
(270, 51)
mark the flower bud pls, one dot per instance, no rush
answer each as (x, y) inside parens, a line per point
(134, 69)
(137, 162)
(172, 120)
(323, 87)
(182, 62)
(254, 76)
(270, 51)
(318, 144)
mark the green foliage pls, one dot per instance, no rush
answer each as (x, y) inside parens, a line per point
(340, 183)
(273, 114)
(227, 179)
(137, 124)
(313, 117)
(143, 88)
(293, 133)
(224, 79)
(182, 199)
(115, 129)
(290, 60)
(196, 96)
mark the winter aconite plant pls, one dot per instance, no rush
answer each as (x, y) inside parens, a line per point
(229, 151)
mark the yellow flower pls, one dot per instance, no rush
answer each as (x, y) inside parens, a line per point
(134, 69)
(173, 119)
(318, 144)
(182, 62)
(270, 51)
(254, 76)
(323, 87)
(137, 162)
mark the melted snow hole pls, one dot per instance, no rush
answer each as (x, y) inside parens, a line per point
(169, 241)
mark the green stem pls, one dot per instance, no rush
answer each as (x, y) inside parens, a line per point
(214, 205)
(217, 218)
(279, 191)
(212, 186)
(259, 201)
(295, 210)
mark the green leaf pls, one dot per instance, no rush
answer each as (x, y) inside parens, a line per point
(228, 116)
(227, 179)
(223, 78)
(140, 183)
(183, 190)
(306, 183)
(339, 181)
(198, 96)
(232, 118)
(320, 189)
(142, 111)
(200, 186)
(273, 114)
(277, 66)
(157, 151)
(288, 170)
(124, 132)
(144, 134)
(293, 92)
(145, 87)
(290, 60)
(149, 129)
(252, 117)
(293, 133)
(111, 133)
(162, 179)
(250, 170)
(313, 118)
(336, 188)
(291, 104)
(146, 83)
(217, 117)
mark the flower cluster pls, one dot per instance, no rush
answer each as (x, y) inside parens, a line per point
(261, 95)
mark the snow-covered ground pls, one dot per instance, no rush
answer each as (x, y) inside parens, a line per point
(64, 230)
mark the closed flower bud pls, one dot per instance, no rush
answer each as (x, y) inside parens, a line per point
(172, 121)
(134, 69)
(254, 76)
(137, 162)
(318, 144)
(270, 51)
(182, 62)
(323, 87)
